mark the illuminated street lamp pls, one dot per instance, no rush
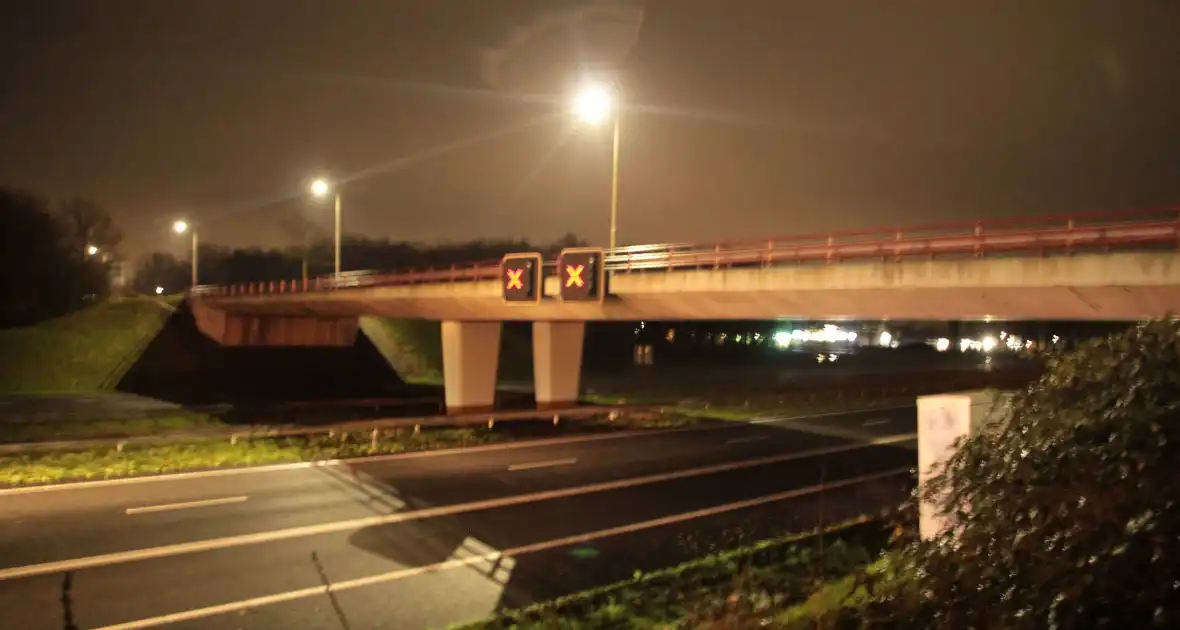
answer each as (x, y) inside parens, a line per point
(594, 104)
(180, 227)
(321, 188)
(91, 250)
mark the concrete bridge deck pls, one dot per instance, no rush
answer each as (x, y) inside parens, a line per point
(1123, 285)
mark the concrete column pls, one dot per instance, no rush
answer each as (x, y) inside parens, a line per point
(557, 362)
(471, 356)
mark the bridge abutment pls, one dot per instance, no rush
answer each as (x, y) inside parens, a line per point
(557, 362)
(471, 357)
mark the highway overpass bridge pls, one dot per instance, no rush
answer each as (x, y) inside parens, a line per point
(1096, 266)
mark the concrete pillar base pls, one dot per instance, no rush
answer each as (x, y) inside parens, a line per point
(557, 362)
(471, 356)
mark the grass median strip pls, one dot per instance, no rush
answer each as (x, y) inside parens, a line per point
(744, 587)
(112, 462)
(18, 432)
(764, 408)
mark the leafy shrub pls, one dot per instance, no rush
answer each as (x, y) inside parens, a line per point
(1065, 509)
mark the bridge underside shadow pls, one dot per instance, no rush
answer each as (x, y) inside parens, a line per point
(182, 365)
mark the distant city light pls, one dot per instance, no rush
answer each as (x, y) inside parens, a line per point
(782, 338)
(91, 249)
(828, 334)
(885, 339)
(943, 344)
(159, 290)
(989, 343)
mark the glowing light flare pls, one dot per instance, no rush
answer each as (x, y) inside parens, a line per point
(594, 103)
(320, 187)
(180, 227)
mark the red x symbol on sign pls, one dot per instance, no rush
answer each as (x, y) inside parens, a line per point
(574, 273)
(514, 281)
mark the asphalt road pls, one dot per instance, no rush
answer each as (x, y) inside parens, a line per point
(424, 541)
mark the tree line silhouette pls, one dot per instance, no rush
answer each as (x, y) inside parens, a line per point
(217, 264)
(57, 256)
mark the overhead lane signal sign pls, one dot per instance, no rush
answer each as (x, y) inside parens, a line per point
(582, 274)
(520, 277)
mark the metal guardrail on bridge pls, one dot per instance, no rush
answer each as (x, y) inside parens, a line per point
(1103, 231)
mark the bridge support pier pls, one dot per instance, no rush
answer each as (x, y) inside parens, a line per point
(557, 363)
(471, 356)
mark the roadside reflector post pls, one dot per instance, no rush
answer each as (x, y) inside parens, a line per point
(556, 419)
(233, 439)
(491, 422)
(373, 439)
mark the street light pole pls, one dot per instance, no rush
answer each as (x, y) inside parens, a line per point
(194, 257)
(320, 188)
(337, 238)
(180, 227)
(614, 182)
(594, 104)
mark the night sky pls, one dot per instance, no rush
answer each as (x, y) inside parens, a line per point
(448, 118)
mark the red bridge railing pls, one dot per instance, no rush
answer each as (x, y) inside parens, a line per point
(1088, 232)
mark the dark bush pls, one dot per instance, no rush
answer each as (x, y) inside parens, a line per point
(1072, 519)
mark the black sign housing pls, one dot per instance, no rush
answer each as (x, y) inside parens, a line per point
(520, 277)
(581, 274)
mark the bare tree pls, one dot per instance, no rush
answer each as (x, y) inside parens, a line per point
(86, 223)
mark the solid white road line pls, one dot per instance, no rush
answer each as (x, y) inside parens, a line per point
(401, 574)
(743, 440)
(786, 419)
(184, 506)
(548, 464)
(212, 544)
(222, 472)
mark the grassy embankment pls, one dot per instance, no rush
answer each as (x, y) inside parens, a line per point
(81, 353)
